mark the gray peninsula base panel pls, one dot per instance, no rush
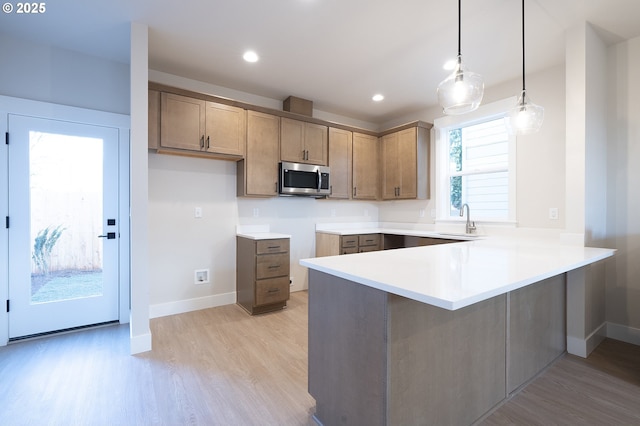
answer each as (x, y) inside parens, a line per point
(376, 358)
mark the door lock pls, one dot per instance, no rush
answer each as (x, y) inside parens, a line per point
(109, 236)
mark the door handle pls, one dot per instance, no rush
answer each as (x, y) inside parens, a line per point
(109, 236)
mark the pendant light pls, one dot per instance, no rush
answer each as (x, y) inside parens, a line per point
(525, 117)
(462, 91)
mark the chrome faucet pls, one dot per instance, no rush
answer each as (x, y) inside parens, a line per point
(471, 226)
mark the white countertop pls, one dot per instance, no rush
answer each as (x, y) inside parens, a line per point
(396, 231)
(258, 232)
(455, 275)
(262, 235)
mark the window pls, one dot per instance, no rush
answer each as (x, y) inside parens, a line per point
(476, 165)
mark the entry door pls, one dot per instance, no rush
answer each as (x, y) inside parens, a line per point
(63, 225)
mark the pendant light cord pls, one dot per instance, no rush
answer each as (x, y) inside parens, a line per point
(523, 55)
(459, 29)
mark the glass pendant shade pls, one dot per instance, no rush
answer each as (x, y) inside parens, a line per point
(461, 92)
(525, 117)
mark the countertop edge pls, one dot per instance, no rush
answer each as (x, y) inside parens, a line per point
(459, 303)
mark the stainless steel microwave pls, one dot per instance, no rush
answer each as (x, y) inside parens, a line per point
(304, 179)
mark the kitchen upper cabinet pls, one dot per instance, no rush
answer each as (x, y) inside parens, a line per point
(196, 126)
(404, 164)
(340, 153)
(257, 173)
(182, 122)
(226, 128)
(365, 167)
(154, 119)
(303, 142)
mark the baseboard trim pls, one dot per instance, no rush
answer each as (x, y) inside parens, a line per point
(623, 333)
(583, 347)
(140, 343)
(188, 305)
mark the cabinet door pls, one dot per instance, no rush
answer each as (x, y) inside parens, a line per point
(365, 167)
(315, 143)
(182, 122)
(407, 163)
(154, 119)
(225, 129)
(302, 142)
(390, 162)
(340, 145)
(261, 159)
(292, 140)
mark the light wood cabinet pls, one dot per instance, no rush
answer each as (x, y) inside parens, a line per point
(262, 274)
(303, 142)
(154, 119)
(201, 127)
(226, 128)
(257, 173)
(340, 156)
(404, 164)
(333, 244)
(365, 167)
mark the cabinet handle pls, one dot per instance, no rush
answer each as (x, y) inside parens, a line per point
(207, 142)
(273, 290)
(354, 191)
(273, 247)
(276, 191)
(202, 142)
(274, 266)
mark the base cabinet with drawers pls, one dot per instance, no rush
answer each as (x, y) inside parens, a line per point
(262, 274)
(329, 244)
(333, 244)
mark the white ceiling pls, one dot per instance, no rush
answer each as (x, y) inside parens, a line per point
(337, 53)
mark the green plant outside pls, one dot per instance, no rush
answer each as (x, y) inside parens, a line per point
(43, 244)
(455, 157)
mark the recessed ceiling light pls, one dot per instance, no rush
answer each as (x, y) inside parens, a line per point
(250, 56)
(378, 97)
(450, 64)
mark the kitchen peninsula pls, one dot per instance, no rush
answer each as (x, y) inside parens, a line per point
(439, 334)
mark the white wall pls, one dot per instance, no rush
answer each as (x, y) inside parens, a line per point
(140, 334)
(50, 74)
(623, 283)
(540, 157)
(179, 243)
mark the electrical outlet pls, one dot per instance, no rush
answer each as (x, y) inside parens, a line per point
(198, 212)
(256, 212)
(421, 212)
(201, 276)
(553, 213)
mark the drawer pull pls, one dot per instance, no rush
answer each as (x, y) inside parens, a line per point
(274, 266)
(273, 247)
(273, 290)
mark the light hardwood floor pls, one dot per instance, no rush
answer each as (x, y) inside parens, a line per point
(223, 367)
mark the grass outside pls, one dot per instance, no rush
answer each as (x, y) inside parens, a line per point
(64, 285)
